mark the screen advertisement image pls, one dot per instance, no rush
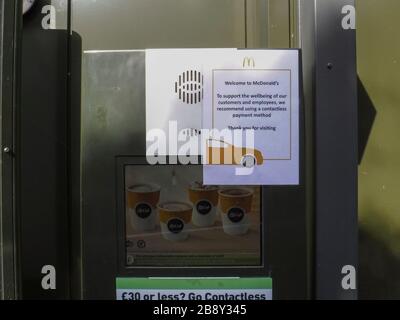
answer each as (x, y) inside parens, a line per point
(173, 220)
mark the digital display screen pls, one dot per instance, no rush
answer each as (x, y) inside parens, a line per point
(173, 220)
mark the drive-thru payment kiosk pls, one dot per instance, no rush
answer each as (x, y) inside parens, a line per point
(179, 150)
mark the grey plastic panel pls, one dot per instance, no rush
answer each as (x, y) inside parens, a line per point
(336, 143)
(113, 123)
(9, 64)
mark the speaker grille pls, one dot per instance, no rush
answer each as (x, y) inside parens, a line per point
(190, 87)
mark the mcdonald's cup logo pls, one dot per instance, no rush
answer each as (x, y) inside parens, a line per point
(249, 63)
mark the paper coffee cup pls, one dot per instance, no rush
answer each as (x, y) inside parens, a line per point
(142, 205)
(175, 220)
(235, 205)
(205, 202)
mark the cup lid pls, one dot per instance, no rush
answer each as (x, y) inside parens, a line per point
(144, 188)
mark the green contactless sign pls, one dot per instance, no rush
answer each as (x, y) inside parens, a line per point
(217, 289)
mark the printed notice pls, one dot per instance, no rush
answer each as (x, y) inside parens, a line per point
(251, 107)
(258, 100)
(192, 289)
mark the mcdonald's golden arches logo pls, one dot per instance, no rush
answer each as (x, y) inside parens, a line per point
(249, 62)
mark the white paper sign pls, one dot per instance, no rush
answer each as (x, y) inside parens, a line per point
(256, 91)
(174, 96)
(213, 102)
